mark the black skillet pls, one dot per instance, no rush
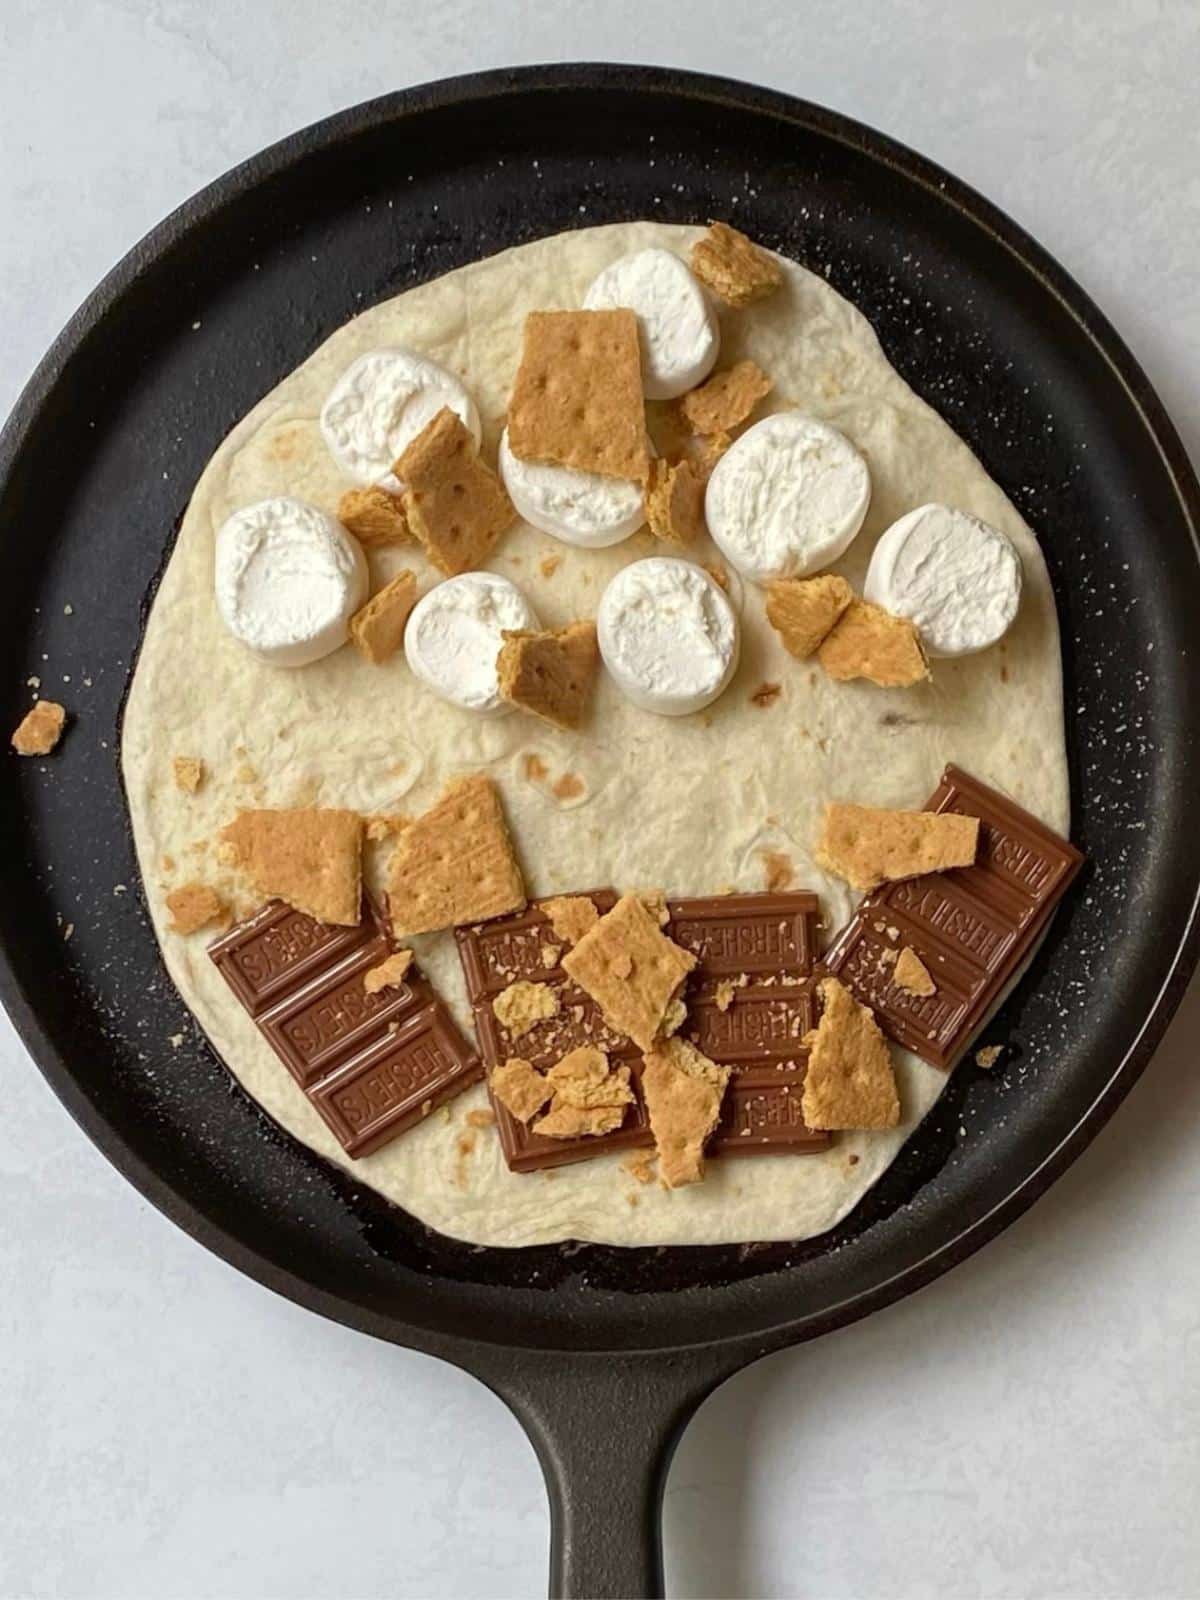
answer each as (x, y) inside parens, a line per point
(603, 1354)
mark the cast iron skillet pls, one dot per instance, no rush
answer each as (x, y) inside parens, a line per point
(603, 1354)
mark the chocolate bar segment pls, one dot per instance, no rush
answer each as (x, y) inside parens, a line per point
(971, 926)
(517, 948)
(769, 939)
(372, 1064)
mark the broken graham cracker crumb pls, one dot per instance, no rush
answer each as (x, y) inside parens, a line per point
(523, 1005)
(571, 916)
(308, 857)
(766, 694)
(389, 974)
(520, 1088)
(728, 988)
(456, 505)
(481, 1118)
(584, 1078)
(868, 847)
(194, 906)
(869, 642)
(550, 954)
(639, 1166)
(577, 399)
(988, 1056)
(188, 772)
(683, 1090)
(630, 969)
(849, 1082)
(40, 729)
(455, 863)
(734, 267)
(565, 1121)
(374, 517)
(912, 975)
(675, 501)
(726, 399)
(804, 611)
(378, 628)
(550, 673)
(382, 825)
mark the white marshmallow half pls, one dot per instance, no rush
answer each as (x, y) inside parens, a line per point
(288, 580)
(580, 508)
(454, 635)
(668, 635)
(956, 577)
(678, 329)
(787, 497)
(381, 403)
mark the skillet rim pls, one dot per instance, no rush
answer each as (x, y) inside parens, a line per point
(1032, 259)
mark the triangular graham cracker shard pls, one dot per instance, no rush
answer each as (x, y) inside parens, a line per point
(454, 864)
(683, 1091)
(309, 857)
(849, 1082)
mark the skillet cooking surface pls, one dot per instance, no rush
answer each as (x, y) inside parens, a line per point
(236, 289)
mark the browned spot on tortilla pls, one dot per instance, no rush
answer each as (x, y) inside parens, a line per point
(766, 694)
(569, 786)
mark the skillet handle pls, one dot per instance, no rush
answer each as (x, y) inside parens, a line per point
(605, 1428)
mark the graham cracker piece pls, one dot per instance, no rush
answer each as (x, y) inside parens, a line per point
(727, 989)
(565, 1121)
(711, 447)
(523, 1005)
(630, 969)
(550, 673)
(675, 1017)
(189, 773)
(455, 863)
(988, 1056)
(585, 1079)
(639, 1166)
(520, 1088)
(912, 975)
(577, 399)
(455, 504)
(484, 1117)
(726, 399)
(378, 628)
(308, 857)
(571, 916)
(384, 824)
(849, 1082)
(683, 1091)
(194, 906)
(869, 642)
(675, 501)
(40, 729)
(733, 267)
(550, 954)
(375, 517)
(804, 611)
(868, 846)
(389, 974)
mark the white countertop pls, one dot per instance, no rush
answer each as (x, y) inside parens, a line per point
(1026, 1427)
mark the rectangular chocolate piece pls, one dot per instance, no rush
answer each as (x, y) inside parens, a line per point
(510, 950)
(769, 939)
(971, 926)
(372, 1064)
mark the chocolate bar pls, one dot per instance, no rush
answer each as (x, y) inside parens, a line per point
(373, 1065)
(971, 926)
(769, 940)
(509, 950)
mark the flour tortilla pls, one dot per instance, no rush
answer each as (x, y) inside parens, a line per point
(691, 804)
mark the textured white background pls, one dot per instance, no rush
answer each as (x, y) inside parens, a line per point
(1026, 1427)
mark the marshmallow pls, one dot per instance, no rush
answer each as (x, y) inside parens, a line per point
(957, 578)
(667, 635)
(288, 580)
(787, 497)
(678, 327)
(580, 508)
(381, 403)
(454, 635)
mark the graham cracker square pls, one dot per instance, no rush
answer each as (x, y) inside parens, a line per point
(631, 970)
(683, 1090)
(577, 399)
(309, 857)
(869, 642)
(868, 846)
(378, 628)
(726, 399)
(803, 611)
(455, 863)
(734, 267)
(551, 673)
(849, 1082)
(455, 505)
